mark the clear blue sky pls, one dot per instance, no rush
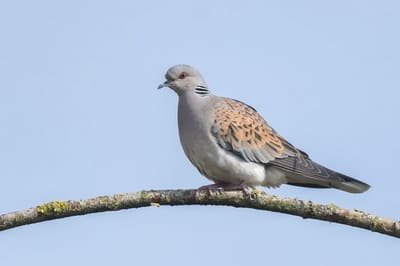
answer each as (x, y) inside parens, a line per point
(80, 116)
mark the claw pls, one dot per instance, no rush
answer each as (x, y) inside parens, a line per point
(245, 188)
(217, 187)
(221, 187)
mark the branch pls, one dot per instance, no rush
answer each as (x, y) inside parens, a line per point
(257, 200)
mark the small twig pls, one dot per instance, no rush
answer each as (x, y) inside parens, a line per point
(258, 200)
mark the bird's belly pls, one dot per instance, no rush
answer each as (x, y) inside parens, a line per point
(220, 165)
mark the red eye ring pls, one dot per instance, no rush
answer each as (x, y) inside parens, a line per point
(183, 75)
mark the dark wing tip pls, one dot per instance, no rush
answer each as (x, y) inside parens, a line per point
(302, 171)
(351, 185)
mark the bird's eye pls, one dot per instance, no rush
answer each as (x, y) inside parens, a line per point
(183, 75)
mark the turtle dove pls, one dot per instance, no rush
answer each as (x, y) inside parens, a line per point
(232, 145)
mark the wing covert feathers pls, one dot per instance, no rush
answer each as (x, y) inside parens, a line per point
(240, 129)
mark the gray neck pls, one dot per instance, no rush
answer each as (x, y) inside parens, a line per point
(193, 109)
(195, 99)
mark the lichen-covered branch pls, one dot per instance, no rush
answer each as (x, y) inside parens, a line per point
(257, 200)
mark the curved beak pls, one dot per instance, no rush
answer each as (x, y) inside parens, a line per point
(162, 85)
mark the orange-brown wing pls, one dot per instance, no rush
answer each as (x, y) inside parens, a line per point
(240, 129)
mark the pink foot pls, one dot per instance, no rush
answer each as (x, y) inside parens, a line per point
(217, 187)
(242, 186)
(220, 187)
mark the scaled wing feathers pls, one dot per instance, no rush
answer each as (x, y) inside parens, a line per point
(240, 129)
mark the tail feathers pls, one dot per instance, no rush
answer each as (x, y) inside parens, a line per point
(302, 171)
(347, 183)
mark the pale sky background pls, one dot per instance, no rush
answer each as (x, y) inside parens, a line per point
(80, 116)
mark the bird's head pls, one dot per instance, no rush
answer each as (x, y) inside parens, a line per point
(184, 78)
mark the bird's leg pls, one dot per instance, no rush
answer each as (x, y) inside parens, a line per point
(217, 187)
(220, 187)
(241, 186)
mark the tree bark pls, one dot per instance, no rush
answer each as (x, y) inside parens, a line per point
(257, 200)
